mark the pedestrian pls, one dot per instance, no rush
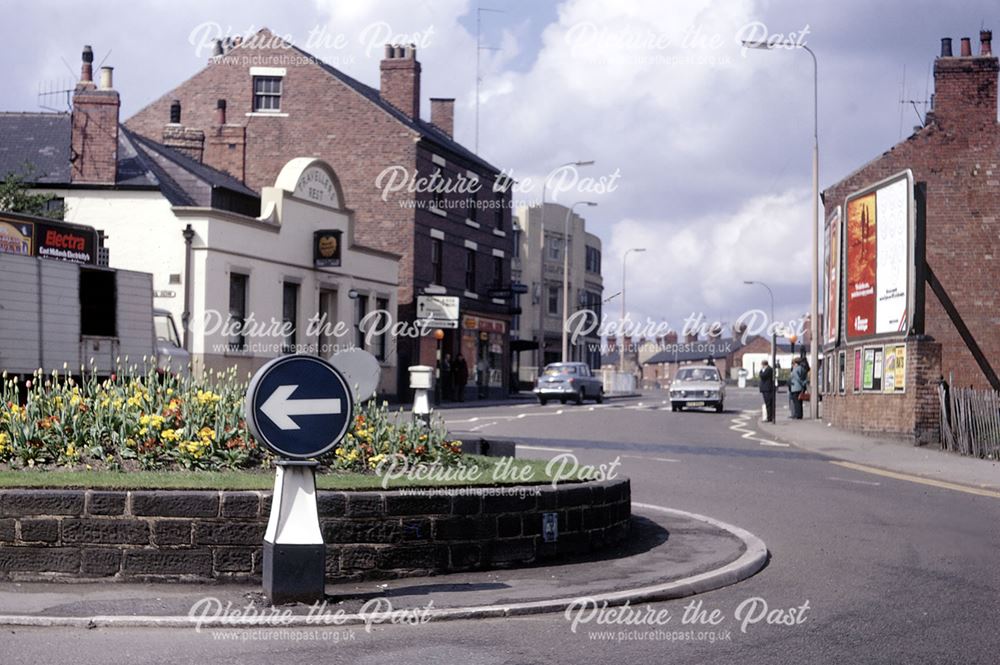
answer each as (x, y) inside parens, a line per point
(482, 376)
(767, 389)
(447, 378)
(796, 387)
(461, 377)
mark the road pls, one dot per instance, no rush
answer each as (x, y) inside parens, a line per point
(892, 571)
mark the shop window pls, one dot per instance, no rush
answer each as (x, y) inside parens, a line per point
(98, 303)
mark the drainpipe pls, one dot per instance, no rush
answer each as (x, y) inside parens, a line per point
(186, 316)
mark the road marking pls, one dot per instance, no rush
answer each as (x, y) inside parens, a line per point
(941, 484)
(551, 450)
(655, 459)
(856, 482)
(740, 425)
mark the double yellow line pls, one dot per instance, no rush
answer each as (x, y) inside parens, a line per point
(919, 479)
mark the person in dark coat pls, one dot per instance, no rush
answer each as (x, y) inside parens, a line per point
(767, 388)
(447, 378)
(797, 384)
(461, 373)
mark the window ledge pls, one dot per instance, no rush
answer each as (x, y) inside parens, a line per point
(469, 222)
(499, 233)
(470, 294)
(266, 114)
(437, 211)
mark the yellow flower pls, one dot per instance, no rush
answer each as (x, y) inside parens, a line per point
(144, 420)
(207, 397)
(375, 459)
(70, 450)
(4, 439)
(170, 434)
(170, 391)
(352, 456)
(206, 434)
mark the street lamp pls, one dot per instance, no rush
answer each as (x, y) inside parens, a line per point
(540, 353)
(814, 298)
(774, 342)
(438, 336)
(621, 352)
(565, 313)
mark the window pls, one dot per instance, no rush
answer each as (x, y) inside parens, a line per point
(470, 206)
(437, 263)
(98, 303)
(290, 315)
(554, 300)
(362, 311)
(382, 304)
(266, 93)
(593, 260)
(470, 270)
(498, 271)
(238, 310)
(498, 211)
(517, 244)
(555, 247)
(438, 190)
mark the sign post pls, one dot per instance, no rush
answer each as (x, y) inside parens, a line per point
(299, 407)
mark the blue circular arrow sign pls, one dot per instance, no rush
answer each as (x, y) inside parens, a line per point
(298, 406)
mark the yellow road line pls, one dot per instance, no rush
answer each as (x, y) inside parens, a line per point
(918, 479)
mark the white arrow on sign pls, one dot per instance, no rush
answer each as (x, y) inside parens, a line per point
(279, 408)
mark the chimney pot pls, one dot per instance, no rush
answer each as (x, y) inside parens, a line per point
(966, 47)
(217, 50)
(107, 78)
(220, 112)
(946, 47)
(389, 51)
(985, 42)
(175, 112)
(87, 67)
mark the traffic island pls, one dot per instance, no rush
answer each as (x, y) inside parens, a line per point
(217, 535)
(671, 554)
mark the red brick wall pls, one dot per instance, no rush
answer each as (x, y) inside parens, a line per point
(95, 136)
(958, 155)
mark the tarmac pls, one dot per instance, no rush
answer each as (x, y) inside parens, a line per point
(671, 554)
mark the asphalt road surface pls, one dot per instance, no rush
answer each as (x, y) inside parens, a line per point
(866, 569)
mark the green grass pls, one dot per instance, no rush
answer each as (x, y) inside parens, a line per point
(247, 480)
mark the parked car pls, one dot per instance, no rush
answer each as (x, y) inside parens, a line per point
(565, 381)
(700, 386)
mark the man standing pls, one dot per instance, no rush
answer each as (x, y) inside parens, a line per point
(461, 373)
(796, 386)
(767, 389)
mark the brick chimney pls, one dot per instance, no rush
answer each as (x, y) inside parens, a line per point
(443, 114)
(400, 85)
(226, 145)
(94, 122)
(670, 337)
(965, 87)
(189, 141)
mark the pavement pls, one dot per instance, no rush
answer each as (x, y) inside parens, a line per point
(884, 453)
(671, 554)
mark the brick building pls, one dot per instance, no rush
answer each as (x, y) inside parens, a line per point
(957, 154)
(261, 102)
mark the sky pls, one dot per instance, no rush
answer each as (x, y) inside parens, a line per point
(702, 149)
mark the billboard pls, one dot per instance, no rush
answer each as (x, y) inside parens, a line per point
(878, 263)
(15, 237)
(831, 278)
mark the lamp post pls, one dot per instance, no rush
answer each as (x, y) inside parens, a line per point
(565, 313)
(540, 354)
(621, 353)
(814, 298)
(438, 336)
(774, 341)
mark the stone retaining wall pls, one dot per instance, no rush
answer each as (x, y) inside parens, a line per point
(175, 535)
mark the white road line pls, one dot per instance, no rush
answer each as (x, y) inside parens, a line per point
(856, 482)
(655, 459)
(551, 450)
(740, 425)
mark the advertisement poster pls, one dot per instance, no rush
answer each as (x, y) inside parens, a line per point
(892, 235)
(861, 264)
(842, 373)
(831, 302)
(857, 370)
(326, 249)
(65, 242)
(877, 370)
(894, 376)
(868, 378)
(15, 238)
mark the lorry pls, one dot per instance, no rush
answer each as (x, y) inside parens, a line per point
(60, 309)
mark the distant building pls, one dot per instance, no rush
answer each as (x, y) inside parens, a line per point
(888, 383)
(539, 266)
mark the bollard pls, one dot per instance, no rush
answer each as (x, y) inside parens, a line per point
(422, 382)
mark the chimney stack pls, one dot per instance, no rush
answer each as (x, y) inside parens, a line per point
(225, 147)
(94, 127)
(965, 88)
(443, 114)
(220, 112)
(191, 142)
(400, 83)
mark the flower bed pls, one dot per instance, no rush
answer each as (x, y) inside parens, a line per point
(143, 419)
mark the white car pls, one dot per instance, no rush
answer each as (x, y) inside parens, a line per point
(698, 386)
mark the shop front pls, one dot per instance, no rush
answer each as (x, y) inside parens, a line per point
(483, 346)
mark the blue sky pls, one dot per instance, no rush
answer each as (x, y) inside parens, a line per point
(712, 146)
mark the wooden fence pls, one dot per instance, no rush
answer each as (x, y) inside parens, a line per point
(970, 421)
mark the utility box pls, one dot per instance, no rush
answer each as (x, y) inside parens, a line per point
(421, 377)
